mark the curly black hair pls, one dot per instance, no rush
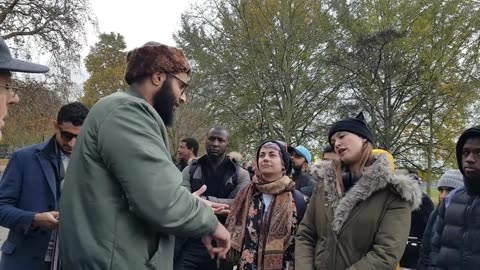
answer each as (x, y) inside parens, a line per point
(74, 112)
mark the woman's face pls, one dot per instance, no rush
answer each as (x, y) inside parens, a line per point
(348, 146)
(270, 162)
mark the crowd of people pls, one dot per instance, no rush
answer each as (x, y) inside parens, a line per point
(104, 192)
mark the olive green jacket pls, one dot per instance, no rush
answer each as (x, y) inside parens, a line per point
(366, 229)
(122, 200)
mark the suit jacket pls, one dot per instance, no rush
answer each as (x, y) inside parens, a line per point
(28, 186)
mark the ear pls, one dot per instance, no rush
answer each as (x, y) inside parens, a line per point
(158, 78)
(55, 125)
(364, 140)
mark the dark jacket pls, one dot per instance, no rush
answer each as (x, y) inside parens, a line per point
(365, 229)
(455, 244)
(303, 183)
(417, 228)
(231, 184)
(28, 186)
(191, 253)
(424, 260)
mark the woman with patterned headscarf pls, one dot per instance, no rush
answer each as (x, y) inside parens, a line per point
(265, 215)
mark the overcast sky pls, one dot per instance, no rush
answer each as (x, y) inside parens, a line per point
(140, 21)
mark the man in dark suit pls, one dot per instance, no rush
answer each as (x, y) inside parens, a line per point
(30, 190)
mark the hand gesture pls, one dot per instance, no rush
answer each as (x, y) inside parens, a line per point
(218, 208)
(46, 220)
(222, 239)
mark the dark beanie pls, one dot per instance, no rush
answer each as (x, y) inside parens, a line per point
(473, 132)
(355, 125)
(287, 160)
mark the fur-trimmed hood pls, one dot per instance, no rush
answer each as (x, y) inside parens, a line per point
(375, 178)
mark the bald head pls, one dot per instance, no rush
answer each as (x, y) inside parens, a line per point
(217, 142)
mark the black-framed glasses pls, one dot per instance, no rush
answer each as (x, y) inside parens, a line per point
(10, 87)
(67, 136)
(183, 84)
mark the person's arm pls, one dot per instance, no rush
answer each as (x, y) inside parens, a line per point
(243, 179)
(425, 249)
(390, 239)
(134, 151)
(186, 178)
(10, 190)
(307, 236)
(437, 235)
(426, 209)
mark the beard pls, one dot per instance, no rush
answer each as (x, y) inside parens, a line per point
(164, 101)
(297, 169)
(472, 184)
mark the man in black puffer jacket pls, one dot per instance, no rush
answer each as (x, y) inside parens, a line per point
(456, 243)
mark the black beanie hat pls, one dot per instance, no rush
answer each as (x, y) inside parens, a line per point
(287, 160)
(473, 132)
(355, 125)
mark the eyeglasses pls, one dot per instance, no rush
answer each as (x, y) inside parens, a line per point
(10, 87)
(183, 84)
(67, 136)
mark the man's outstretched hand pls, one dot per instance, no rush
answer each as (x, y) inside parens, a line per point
(222, 239)
(218, 208)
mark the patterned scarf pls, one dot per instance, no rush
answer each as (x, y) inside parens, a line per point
(260, 242)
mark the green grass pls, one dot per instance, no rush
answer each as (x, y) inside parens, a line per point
(434, 196)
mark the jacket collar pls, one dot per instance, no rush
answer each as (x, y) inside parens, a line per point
(203, 161)
(48, 148)
(375, 178)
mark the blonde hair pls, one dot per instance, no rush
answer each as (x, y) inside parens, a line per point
(378, 152)
(366, 159)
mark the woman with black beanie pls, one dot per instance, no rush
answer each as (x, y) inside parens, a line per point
(359, 216)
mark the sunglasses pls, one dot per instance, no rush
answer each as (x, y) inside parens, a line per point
(67, 136)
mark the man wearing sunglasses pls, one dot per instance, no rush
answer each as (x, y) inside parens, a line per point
(123, 202)
(8, 90)
(30, 190)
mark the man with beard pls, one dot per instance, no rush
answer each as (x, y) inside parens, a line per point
(30, 190)
(301, 158)
(123, 201)
(457, 229)
(218, 179)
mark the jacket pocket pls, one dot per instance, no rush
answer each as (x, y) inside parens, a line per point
(156, 260)
(8, 247)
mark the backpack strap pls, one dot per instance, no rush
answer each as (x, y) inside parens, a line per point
(235, 175)
(300, 204)
(192, 168)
